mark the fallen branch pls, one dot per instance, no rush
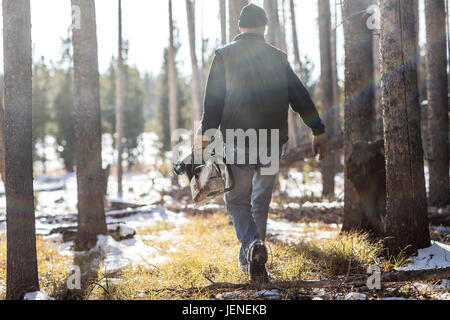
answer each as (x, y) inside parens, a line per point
(359, 280)
(304, 151)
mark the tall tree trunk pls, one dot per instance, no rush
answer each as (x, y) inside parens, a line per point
(21, 273)
(2, 137)
(336, 128)
(173, 90)
(223, 21)
(359, 98)
(447, 18)
(283, 44)
(326, 84)
(406, 208)
(292, 127)
(273, 23)
(437, 102)
(120, 91)
(296, 50)
(88, 138)
(195, 83)
(377, 128)
(234, 11)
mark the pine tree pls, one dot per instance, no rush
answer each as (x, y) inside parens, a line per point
(438, 158)
(326, 84)
(406, 209)
(91, 214)
(359, 98)
(21, 272)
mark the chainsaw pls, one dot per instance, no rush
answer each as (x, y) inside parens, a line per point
(206, 180)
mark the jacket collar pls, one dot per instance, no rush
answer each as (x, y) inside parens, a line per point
(248, 35)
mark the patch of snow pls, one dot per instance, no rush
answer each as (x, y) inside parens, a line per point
(291, 232)
(355, 296)
(119, 254)
(393, 298)
(228, 295)
(437, 255)
(268, 294)
(37, 295)
(124, 230)
(149, 216)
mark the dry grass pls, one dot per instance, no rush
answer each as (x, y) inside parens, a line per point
(201, 250)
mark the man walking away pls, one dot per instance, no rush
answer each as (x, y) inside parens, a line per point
(250, 87)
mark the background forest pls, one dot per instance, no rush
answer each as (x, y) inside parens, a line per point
(87, 184)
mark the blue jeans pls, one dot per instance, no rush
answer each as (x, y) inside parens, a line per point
(248, 204)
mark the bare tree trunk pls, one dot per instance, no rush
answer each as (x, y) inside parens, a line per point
(359, 97)
(173, 90)
(448, 35)
(88, 143)
(377, 116)
(334, 75)
(223, 21)
(292, 127)
(234, 11)
(328, 164)
(438, 158)
(21, 273)
(406, 209)
(120, 87)
(2, 137)
(195, 83)
(273, 23)
(295, 37)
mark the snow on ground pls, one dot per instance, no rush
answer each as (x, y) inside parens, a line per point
(148, 216)
(301, 184)
(37, 295)
(119, 254)
(437, 255)
(293, 232)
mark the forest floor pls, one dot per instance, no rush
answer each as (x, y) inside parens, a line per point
(173, 249)
(168, 245)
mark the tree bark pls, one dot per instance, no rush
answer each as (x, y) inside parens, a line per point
(273, 23)
(438, 149)
(234, 11)
(21, 273)
(195, 81)
(2, 137)
(406, 209)
(120, 91)
(88, 146)
(326, 98)
(377, 116)
(223, 21)
(359, 97)
(295, 37)
(292, 127)
(173, 90)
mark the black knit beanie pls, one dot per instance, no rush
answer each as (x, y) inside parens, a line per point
(252, 16)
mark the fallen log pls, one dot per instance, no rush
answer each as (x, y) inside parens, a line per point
(359, 280)
(304, 151)
(439, 216)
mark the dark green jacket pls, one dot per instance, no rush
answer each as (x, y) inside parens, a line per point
(251, 85)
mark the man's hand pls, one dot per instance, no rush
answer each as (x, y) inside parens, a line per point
(320, 146)
(200, 143)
